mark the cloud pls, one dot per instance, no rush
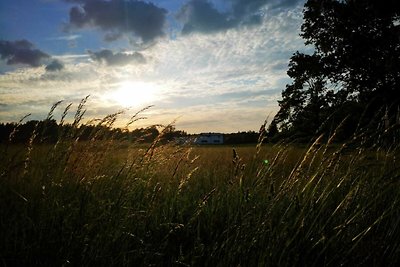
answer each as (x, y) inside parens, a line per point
(65, 38)
(202, 16)
(70, 39)
(285, 3)
(119, 17)
(247, 6)
(117, 59)
(243, 8)
(3, 106)
(227, 81)
(55, 65)
(21, 52)
(112, 36)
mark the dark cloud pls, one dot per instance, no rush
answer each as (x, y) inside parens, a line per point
(244, 8)
(118, 17)
(21, 52)
(117, 59)
(55, 65)
(112, 36)
(202, 16)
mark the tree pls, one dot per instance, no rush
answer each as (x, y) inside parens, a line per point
(358, 41)
(356, 63)
(306, 101)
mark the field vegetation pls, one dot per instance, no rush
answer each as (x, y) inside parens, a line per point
(110, 202)
(325, 192)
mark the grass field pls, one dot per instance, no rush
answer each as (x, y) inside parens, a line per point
(113, 203)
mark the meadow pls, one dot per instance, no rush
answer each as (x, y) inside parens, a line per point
(114, 203)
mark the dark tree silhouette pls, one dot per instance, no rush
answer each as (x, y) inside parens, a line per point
(355, 64)
(48, 131)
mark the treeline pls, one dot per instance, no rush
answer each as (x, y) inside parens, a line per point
(49, 131)
(249, 137)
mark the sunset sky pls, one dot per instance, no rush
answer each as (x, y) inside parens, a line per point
(215, 66)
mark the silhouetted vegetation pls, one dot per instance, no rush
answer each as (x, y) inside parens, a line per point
(48, 131)
(353, 77)
(104, 203)
(249, 137)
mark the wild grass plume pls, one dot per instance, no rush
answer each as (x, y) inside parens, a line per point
(107, 202)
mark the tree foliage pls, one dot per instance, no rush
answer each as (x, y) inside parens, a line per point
(49, 131)
(355, 64)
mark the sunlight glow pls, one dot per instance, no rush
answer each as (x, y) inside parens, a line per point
(134, 93)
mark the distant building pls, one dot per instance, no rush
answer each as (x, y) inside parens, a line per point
(209, 139)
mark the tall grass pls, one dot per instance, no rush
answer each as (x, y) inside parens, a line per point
(113, 203)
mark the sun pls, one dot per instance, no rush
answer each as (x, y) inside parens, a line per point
(134, 93)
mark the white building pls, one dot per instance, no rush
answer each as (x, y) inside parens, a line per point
(209, 139)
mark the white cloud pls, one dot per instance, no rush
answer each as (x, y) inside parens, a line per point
(71, 37)
(227, 81)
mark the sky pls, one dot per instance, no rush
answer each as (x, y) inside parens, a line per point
(204, 65)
